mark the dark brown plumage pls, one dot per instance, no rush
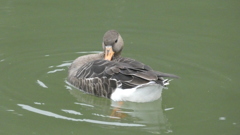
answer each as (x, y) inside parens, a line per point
(101, 77)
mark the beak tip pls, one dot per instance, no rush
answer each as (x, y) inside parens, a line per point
(108, 53)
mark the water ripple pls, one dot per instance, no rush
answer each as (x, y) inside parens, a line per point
(56, 70)
(42, 84)
(67, 64)
(51, 114)
(90, 52)
(84, 104)
(71, 112)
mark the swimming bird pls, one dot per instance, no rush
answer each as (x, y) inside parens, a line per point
(110, 75)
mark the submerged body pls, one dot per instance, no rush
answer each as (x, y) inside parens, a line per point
(109, 75)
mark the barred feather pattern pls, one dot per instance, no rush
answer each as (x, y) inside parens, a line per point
(102, 77)
(102, 87)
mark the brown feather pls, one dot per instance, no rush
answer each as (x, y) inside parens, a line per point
(127, 72)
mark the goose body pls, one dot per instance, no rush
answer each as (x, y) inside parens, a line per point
(109, 75)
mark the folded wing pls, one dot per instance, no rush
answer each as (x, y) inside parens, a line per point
(126, 72)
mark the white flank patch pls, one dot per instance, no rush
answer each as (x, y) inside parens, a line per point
(41, 84)
(143, 93)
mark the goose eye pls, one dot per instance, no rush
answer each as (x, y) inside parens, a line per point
(116, 41)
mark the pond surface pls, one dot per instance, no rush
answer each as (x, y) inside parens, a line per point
(196, 40)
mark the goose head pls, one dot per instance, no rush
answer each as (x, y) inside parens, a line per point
(112, 44)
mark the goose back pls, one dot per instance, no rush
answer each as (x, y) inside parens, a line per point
(102, 77)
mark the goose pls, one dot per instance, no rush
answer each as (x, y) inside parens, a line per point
(108, 74)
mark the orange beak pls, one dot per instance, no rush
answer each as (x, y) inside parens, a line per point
(108, 53)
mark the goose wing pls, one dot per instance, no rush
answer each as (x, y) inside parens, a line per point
(125, 71)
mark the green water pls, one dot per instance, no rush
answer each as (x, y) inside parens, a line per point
(197, 40)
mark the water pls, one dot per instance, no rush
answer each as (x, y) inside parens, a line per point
(197, 40)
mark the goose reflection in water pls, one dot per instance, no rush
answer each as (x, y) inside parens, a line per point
(139, 113)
